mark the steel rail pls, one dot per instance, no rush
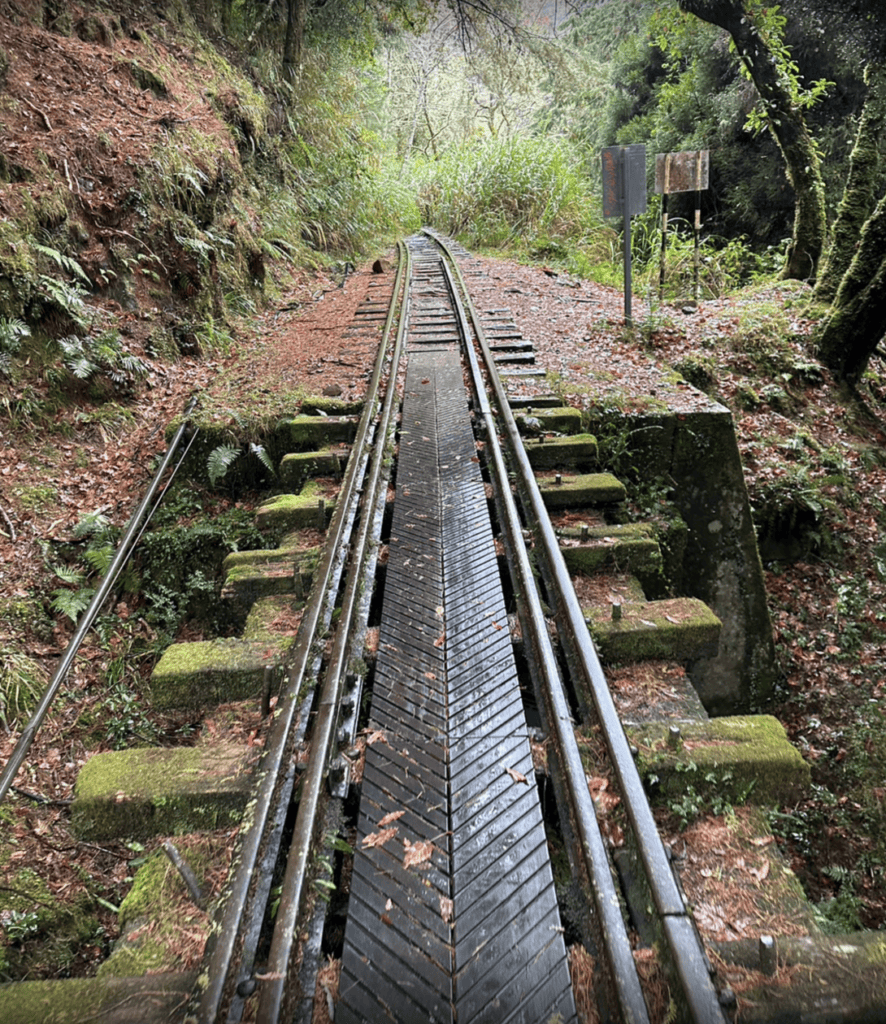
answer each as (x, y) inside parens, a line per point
(623, 974)
(124, 550)
(274, 987)
(685, 946)
(245, 904)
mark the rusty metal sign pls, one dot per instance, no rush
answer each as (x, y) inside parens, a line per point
(624, 181)
(682, 172)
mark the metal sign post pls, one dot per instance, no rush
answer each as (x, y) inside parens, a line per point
(681, 172)
(624, 195)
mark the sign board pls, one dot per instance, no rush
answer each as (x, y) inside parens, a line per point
(682, 172)
(624, 181)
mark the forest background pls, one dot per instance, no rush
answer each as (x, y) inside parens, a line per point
(253, 137)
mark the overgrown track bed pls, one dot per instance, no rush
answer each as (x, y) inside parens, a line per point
(447, 819)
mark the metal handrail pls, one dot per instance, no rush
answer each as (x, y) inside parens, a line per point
(124, 551)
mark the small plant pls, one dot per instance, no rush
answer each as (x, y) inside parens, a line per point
(20, 925)
(224, 456)
(12, 332)
(102, 361)
(21, 684)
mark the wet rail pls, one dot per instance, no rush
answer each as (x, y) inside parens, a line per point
(452, 909)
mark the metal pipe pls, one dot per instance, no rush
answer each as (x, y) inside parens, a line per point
(688, 955)
(128, 542)
(273, 987)
(274, 788)
(623, 969)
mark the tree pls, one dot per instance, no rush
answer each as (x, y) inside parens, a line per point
(756, 38)
(855, 273)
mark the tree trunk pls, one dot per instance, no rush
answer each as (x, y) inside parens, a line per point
(859, 196)
(857, 323)
(293, 40)
(788, 127)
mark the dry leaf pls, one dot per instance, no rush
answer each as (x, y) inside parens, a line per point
(761, 872)
(441, 639)
(378, 838)
(517, 776)
(446, 908)
(388, 818)
(377, 736)
(417, 853)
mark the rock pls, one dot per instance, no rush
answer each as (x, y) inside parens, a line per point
(381, 267)
(332, 390)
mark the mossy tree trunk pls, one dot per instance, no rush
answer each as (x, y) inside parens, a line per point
(859, 196)
(787, 124)
(293, 40)
(857, 323)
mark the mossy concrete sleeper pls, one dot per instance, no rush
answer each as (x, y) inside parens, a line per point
(677, 629)
(742, 758)
(209, 672)
(145, 792)
(582, 491)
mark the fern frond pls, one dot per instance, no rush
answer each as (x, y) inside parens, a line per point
(71, 602)
(220, 461)
(91, 524)
(259, 452)
(69, 575)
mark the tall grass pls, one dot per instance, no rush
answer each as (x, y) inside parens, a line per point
(506, 192)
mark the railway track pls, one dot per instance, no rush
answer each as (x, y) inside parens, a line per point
(452, 911)
(414, 783)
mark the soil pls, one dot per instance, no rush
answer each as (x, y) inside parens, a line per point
(74, 106)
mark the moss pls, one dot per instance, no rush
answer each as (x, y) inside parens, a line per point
(746, 757)
(331, 406)
(677, 629)
(260, 621)
(206, 671)
(581, 491)
(312, 433)
(563, 420)
(297, 467)
(578, 452)
(76, 1000)
(141, 793)
(839, 977)
(290, 550)
(632, 548)
(293, 512)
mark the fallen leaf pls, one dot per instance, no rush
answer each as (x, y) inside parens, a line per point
(517, 776)
(378, 838)
(441, 639)
(388, 818)
(446, 908)
(417, 853)
(761, 872)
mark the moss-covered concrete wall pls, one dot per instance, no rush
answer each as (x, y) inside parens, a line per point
(698, 451)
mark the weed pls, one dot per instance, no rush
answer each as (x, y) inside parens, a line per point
(22, 681)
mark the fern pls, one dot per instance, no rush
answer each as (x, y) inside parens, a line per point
(72, 602)
(220, 461)
(259, 452)
(68, 298)
(90, 524)
(66, 263)
(68, 575)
